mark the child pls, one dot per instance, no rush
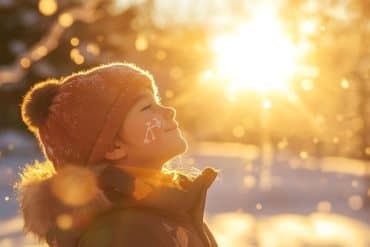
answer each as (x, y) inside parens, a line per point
(106, 137)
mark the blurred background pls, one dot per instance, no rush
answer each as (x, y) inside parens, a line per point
(274, 94)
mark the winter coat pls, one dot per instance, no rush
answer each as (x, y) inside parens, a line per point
(166, 216)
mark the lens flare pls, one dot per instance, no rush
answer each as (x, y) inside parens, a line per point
(74, 186)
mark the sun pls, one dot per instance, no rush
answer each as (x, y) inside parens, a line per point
(258, 55)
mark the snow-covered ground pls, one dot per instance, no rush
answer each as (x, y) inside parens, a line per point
(309, 202)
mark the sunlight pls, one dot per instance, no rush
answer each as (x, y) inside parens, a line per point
(257, 56)
(239, 229)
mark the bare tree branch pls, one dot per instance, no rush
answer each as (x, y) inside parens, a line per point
(87, 13)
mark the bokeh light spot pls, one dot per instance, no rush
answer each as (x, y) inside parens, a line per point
(324, 206)
(344, 84)
(141, 43)
(93, 48)
(25, 62)
(367, 151)
(65, 20)
(282, 144)
(160, 55)
(169, 94)
(303, 155)
(249, 181)
(355, 202)
(176, 72)
(47, 7)
(76, 56)
(74, 186)
(64, 221)
(238, 131)
(75, 41)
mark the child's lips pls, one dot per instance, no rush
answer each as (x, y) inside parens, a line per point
(172, 127)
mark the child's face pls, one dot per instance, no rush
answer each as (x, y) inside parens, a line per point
(149, 134)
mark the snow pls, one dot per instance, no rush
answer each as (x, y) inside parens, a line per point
(238, 210)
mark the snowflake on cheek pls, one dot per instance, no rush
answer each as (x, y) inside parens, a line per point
(149, 134)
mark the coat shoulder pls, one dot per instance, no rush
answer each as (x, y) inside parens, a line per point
(125, 227)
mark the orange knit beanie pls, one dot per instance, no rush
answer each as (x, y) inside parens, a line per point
(77, 118)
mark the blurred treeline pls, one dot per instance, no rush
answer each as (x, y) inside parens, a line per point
(329, 116)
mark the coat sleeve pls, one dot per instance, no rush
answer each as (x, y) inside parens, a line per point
(210, 236)
(123, 229)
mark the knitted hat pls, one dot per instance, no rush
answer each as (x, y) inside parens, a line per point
(77, 118)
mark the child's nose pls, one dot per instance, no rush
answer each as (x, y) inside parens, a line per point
(169, 112)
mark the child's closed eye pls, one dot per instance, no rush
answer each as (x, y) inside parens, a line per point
(146, 107)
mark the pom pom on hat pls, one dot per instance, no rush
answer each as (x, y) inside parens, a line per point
(36, 103)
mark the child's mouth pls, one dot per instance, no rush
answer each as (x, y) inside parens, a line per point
(172, 127)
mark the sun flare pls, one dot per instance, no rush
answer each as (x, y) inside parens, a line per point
(258, 55)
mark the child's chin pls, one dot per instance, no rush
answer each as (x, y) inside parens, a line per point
(183, 146)
(179, 147)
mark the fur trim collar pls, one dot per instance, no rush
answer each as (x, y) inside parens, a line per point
(48, 199)
(70, 198)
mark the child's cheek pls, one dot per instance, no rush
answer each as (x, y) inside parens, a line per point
(151, 129)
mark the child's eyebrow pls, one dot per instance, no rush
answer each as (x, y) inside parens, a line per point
(147, 97)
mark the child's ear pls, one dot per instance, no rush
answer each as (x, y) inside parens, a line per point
(119, 151)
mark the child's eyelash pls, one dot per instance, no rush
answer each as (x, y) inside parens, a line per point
(146, 107)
